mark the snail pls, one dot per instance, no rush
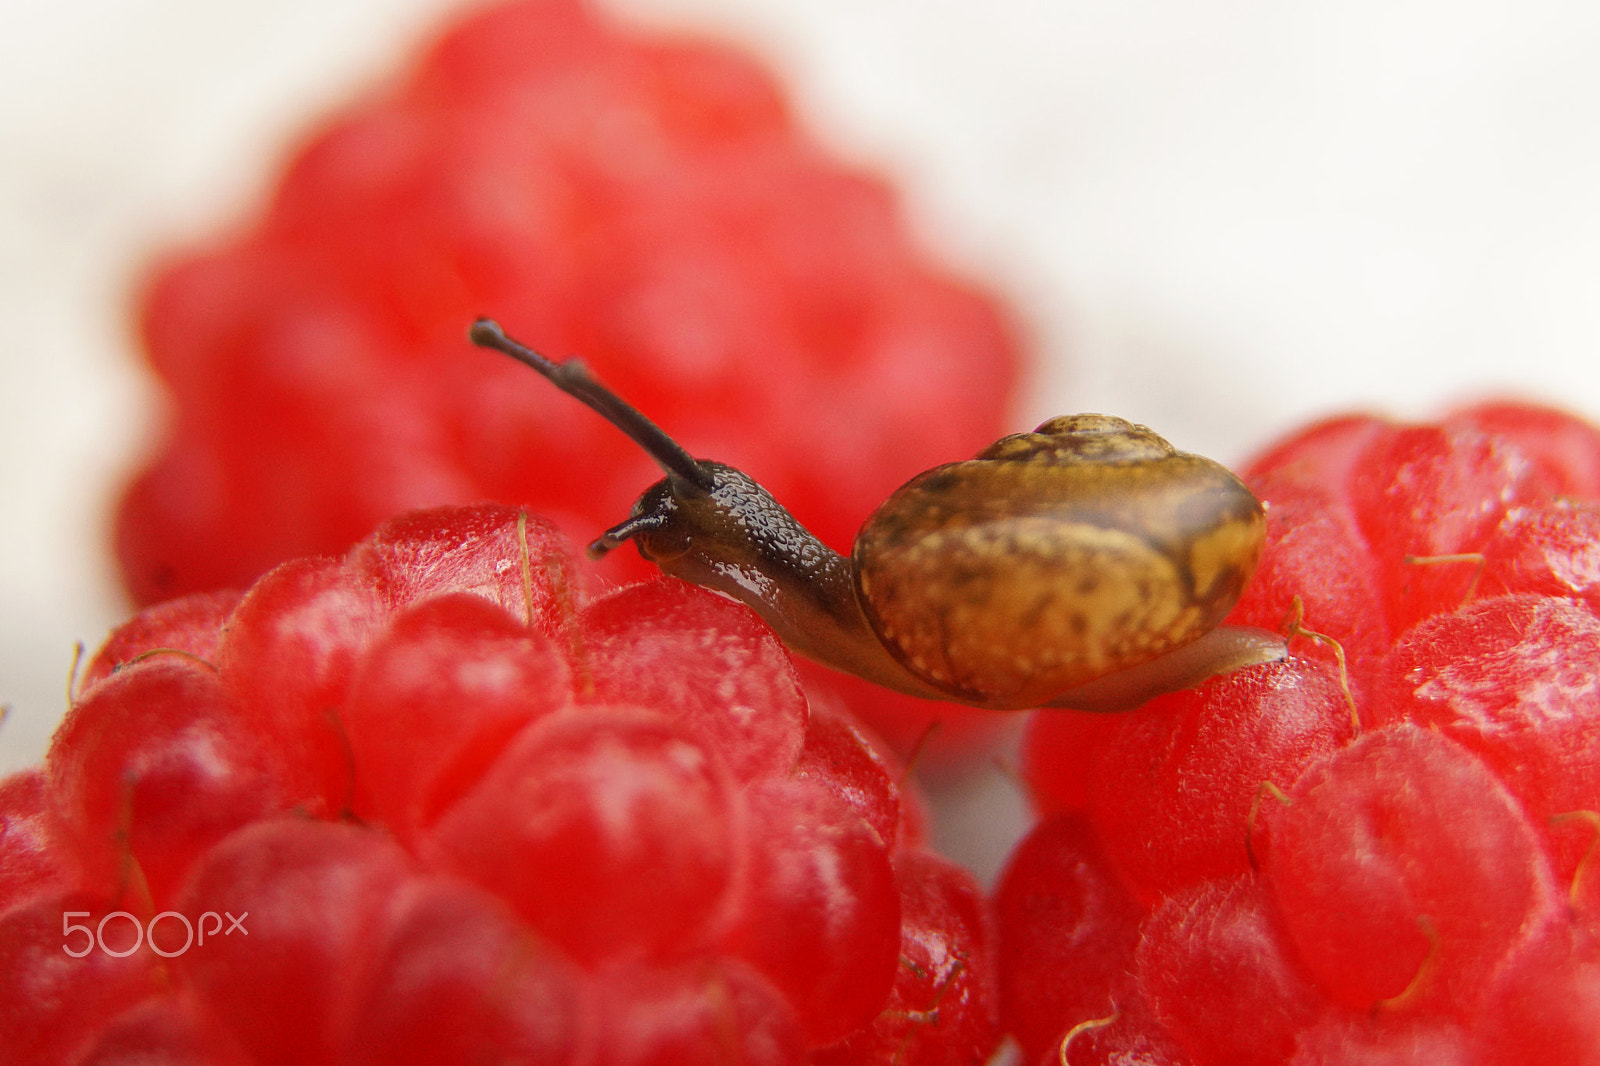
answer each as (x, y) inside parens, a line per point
(1087, 564)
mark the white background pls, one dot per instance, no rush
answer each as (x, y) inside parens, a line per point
(1219, 217)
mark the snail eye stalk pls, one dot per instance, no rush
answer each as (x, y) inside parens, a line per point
(574, 379)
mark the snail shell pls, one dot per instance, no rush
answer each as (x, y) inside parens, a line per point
(1055, 558)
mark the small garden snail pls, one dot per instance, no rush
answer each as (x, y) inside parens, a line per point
(1086, 564)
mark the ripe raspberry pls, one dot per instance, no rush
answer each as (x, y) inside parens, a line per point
(647, 203)
(1381, 849)
(468, 809)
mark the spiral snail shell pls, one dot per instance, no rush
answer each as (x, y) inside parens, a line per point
(1086, 564)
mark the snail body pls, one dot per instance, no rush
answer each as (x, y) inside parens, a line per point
(1086, 564)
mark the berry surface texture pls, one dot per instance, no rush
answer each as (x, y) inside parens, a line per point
(1384, 848)
(434, 802)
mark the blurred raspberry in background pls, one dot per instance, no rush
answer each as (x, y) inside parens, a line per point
(646, 203)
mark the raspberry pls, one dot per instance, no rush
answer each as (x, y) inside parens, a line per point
(50, 998)
(622, 841)
(191, 624)
(34, 855)
(941, 980)
(1380, 850)
(1068, 930)
(466, 810)
(1224, 932)
(157, 760)
(647, 203)
(163, 1028)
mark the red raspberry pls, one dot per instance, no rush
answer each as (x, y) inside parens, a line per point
(647, 203)
(54, 993)
(33, 854)
(1381, 850)
(467, 810)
